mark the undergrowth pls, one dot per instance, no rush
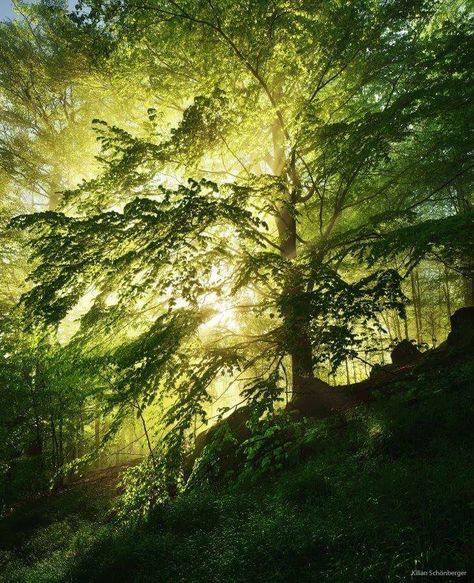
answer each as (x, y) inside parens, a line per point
(369, 496)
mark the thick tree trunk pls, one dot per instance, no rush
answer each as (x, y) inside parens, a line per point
(301, 356)
(296, 323)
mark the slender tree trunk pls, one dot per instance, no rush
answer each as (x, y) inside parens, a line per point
(80, 434)
(447, 294)
(97, 434)
(347, 373)
(53, 442)
(396, 321)
(386, 321)
(418, 296)
(468, 283)
(354, 370)
(60, 478)
(381, 347)
(147, 436)
(464, 205)
(55, 452)
(415, 307)
(33, 382)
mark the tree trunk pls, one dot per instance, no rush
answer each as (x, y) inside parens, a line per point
(447, 294)
(354, 370)
(468, 284)
(396, 321)
(405, 328)
(60, 477)
(418, 297)
(464, 205)
(97, 434)
(296, 323)
(415, 307)
(54, 190)
(348, 378)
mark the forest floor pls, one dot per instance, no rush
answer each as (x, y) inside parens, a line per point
(382, 491)
(88, 498)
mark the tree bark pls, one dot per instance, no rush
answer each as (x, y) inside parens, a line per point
(415, 307)
(447, 294)
(463, 204)
(418, 298)
(348, 378)
(97, 434)
(295, 321)
(468, 284)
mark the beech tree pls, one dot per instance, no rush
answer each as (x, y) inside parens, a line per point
(220, 236)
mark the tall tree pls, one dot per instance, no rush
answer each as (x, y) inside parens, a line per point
(282, 140)
(319, 100)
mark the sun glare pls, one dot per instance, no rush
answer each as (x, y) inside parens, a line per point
(222, 313)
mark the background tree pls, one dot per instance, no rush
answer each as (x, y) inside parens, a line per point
(53, 81)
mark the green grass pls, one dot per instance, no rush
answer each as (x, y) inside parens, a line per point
(385, 490)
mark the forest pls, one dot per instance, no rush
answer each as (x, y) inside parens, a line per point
(236, 291)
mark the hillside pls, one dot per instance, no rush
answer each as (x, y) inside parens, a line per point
(369, 495)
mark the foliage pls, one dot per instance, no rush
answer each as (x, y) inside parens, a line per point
(269, 176)
(448, 239)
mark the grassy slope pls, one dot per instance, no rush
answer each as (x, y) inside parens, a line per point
(384, 487)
